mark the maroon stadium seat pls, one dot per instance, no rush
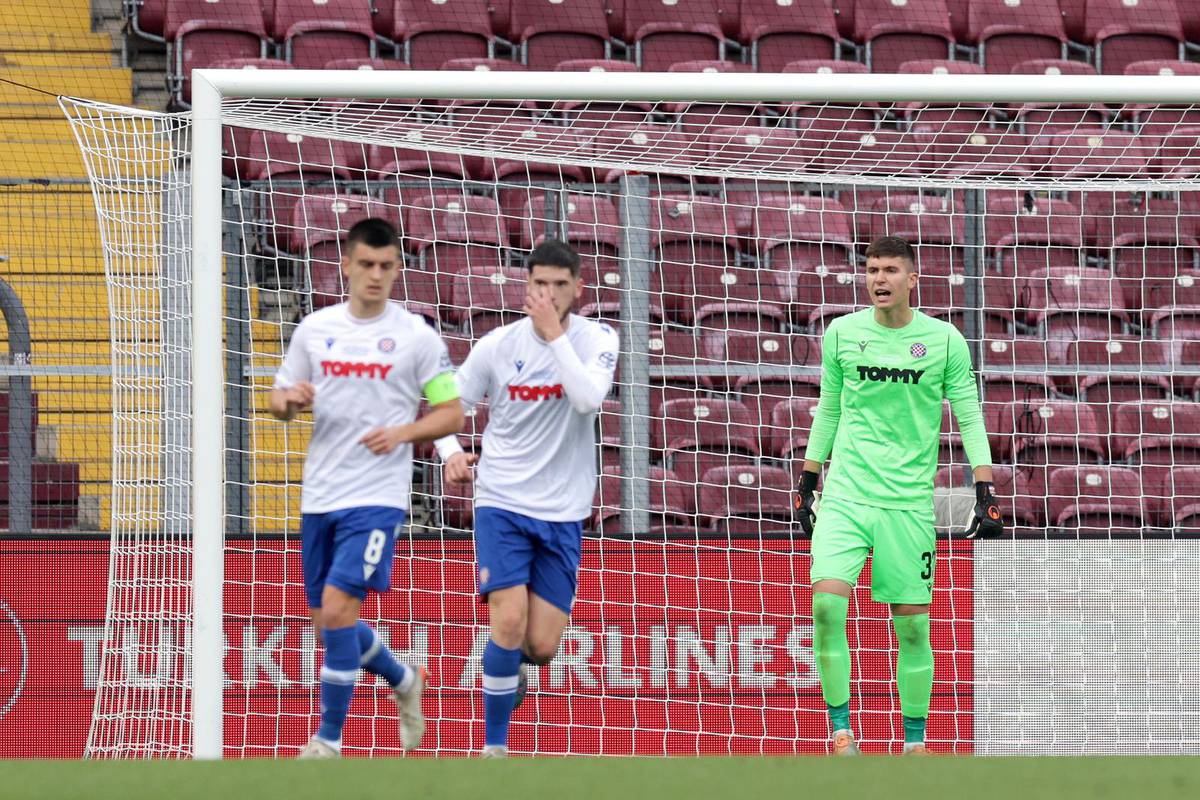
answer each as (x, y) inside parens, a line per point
(777, 32)
(551, 31)
(803, 232)
(1181, 500)
(202, 32)
(148, 18)
(1156, 260)
(1052, 66)
(704, 423)
(1053, 433)
(693, 240)
(1121, 368)
(1074, 303)
(664, 33)
(1162, 433)
(453, 232)
(747, 499)
(699, 118)
(1008, 33)
(1160, 120)
(646, 147)
(1123, 32)
(313, 32)
(1097, 500)
(669, 500)
(431, 32)
(829, 287)
(488, 298)
(1009, 486)
(1089, 152)
(895, 33)
(593, 114)
(791, 425)
(592, 226)
(405, 173)
(317, 230)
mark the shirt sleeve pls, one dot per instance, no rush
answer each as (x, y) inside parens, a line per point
(829, 406)
(587, 380)
(297, 366)
(432, 361)
(962, 391)
(473, 379)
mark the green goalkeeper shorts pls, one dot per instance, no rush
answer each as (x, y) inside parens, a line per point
(903, 544)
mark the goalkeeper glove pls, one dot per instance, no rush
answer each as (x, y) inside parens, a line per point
(988, 521)
(805, 497)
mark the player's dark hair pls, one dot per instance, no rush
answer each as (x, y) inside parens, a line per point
(553, 253)
(373, 232)
(892, 247)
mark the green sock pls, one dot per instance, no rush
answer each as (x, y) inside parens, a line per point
(914, 673)
(914, 730)
(832, 652)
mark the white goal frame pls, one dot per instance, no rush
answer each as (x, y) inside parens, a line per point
(210, 87)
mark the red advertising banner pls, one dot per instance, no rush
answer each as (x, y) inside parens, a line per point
(674, 649)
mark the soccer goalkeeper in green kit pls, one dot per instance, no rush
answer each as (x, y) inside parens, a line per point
(884, 372)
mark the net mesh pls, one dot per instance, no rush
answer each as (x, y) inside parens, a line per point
(720, 239)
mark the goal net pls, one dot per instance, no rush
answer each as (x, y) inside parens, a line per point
(722, 221)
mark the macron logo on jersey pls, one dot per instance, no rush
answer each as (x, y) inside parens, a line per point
(354, 369)
(885, 374)
(527, 393)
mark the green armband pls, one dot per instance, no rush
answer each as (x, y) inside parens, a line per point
(441, 389)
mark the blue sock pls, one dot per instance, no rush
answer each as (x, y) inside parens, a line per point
(338, 676)
(378, 660)
(525, 659)
(500, 668)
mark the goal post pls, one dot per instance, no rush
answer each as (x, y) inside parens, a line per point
(377, 109)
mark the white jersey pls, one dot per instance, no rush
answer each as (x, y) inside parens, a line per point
(368, 373)
(539, 447)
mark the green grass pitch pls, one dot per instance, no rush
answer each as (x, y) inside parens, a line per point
(884, 778)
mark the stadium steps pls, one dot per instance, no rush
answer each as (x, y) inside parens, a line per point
(104, 84)
(53, 48)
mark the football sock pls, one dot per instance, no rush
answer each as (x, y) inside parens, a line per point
(914, 673)
(832, 651)
(500, 668)
(338, 676)
(379, 660)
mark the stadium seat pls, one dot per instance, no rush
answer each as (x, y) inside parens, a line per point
(592, 225)
(791, 425)
(1181, 500)
(671, 346)
(4, 432)
(883, 151)
(317, 230)
(428, 33)
(747, 499)
(802, 233)
(775, 32)
(1010, 489)
(1037, 120)
(405, 173)
(1120, 369)
(1096, 500)
(551, 31)
(894, 33)
(668, 501)
(1164, 433)
(700, 118)
(487, 298)
(697, 434)
(518, 180)
(693, 240)
(458, 505)
(313, 32)
(147, 18)
(1156, 262)
(234, 138)
(824, 66)
(1160, 120)
(826, 286)
(1053, 433)
(1178, 154)
(453, 233)
(1075, 303)
(928, 222)
(665, 32)
(1008, 33)
(1052, 66)
(202, 32)
(651, 144)
(1124, 31)
(480, 113)
(594, 114)
(1032, 233)
(1089, 153)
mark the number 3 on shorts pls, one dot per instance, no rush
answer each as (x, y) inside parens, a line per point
(374, 550)
(927, 573)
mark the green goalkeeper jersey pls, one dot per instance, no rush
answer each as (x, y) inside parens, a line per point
(880, 411)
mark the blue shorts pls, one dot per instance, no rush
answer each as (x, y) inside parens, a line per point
(351, 549)
(516, 550)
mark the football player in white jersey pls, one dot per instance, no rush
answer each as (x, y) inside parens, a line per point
(545, 378)
(362, 367)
